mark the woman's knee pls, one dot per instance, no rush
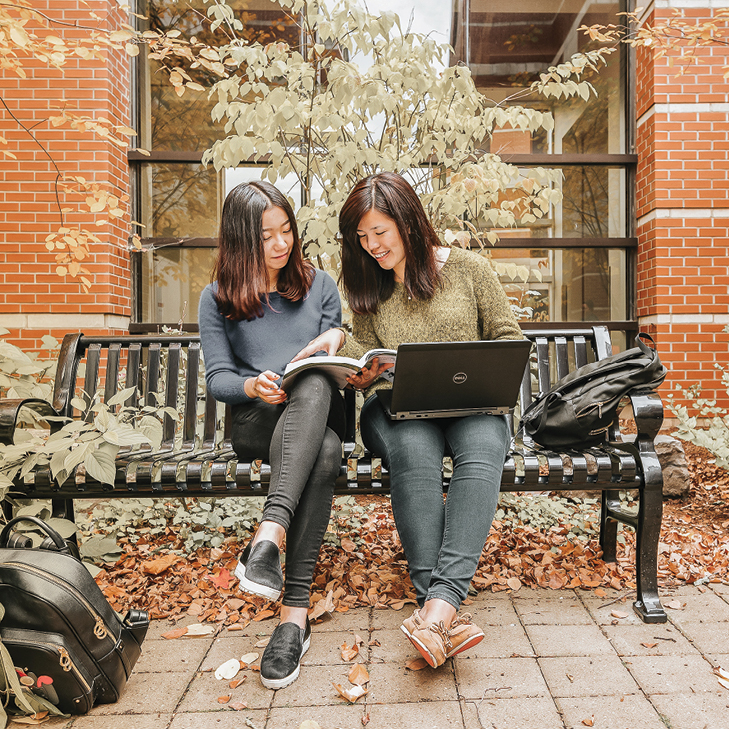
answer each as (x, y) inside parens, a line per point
(330, 454)
(312, 389)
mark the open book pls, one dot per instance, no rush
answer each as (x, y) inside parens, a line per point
(339, 368)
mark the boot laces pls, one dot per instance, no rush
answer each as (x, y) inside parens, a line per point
(440, 629)
(463, 619)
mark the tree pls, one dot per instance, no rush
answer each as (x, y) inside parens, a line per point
(675, 38)
(316, 114)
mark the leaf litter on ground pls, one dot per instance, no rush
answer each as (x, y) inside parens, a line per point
(537, 540)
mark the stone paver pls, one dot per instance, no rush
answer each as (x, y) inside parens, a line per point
(552, 610)
(344, 716)
(700, 608)
(672, 674)
(569, 640)
(532, 713)
(549, 660)
(480, 678)
(444, 714)
(694, 711)
(708, 637)
(393, 684)
(610, 712)
(202, 695)
(648, 640)
(587, 676)
(218, 720)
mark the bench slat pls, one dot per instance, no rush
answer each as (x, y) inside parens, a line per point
(543, 378)
(134, 363)
(560, 349)
(112, 371)
(193, 370)
(172, 385)
(153, 362)
(93, 355)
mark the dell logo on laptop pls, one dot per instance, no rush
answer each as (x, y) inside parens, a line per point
(459, 378)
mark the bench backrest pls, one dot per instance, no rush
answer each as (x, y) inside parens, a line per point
(168, 370)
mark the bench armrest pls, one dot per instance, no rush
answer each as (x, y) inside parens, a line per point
(648, 413)
(10, 409)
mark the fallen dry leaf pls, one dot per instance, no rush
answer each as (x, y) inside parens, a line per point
(415, 664)
(263, 642)
(366, 719)
(674, 605)
(618, 614)
(159, 565)
(236, 682)
(176, 633)
(227, 670)
(235, 626)
(599, 592)
(238, 705)
(356, 692)
(323, 606)
(263, 615)
(349, 654)
(198, 630)
(649, 645)
(723, 682)
(589, 722)
(722, 673)
(309, 724)
(348, 545)
(222, 579)
(223, 699)
(374, 641)
(195, 609)
(248, 658)
(358, 675)
(514, 583)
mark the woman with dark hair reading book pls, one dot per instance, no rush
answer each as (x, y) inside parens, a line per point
(404, 286)
(264, 304)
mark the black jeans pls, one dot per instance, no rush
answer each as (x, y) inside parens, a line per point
(301, 439)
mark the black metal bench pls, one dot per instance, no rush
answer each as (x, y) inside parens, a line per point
(195, 457)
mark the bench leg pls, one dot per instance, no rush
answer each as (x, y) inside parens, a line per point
(62, 509)
(648, 533)
(608, 525)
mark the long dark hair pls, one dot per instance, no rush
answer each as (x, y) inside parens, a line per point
(365, 283)
(240, 268)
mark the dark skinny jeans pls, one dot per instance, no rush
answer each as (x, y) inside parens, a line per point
(301, 439)
(442, 541)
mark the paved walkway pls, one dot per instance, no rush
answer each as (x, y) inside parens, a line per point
(550, 660)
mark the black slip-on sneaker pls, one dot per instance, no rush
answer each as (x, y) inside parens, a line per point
(281, 661)
(259, 570)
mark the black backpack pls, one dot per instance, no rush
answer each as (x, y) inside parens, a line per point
(58, 624)
(580, 408)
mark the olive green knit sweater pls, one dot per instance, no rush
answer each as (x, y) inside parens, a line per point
(471, 305)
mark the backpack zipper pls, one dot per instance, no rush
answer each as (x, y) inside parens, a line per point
(100, 629)
(65, 661)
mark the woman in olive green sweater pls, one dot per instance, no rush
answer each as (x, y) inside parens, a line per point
(404, 286)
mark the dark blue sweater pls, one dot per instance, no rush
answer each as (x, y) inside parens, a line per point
(237, 350)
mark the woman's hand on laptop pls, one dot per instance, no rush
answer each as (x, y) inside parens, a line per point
(365, 377)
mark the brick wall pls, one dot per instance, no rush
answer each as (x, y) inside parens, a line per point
(33, 299)
(683, 210)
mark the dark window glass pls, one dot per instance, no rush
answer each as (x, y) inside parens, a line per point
(511, 43)
(180, 201)
(177, 123)
(564, 284)
(172, 281)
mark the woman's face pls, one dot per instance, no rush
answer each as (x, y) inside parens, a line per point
(379, 236)
(278, 240)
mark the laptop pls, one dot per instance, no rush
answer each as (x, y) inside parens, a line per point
(453, 379)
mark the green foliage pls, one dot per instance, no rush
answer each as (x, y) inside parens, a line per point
(713, 432)
(329, 121)
(26, 375)
(91, 442)
(203, 522)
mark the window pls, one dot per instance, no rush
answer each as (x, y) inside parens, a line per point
(580, 257)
